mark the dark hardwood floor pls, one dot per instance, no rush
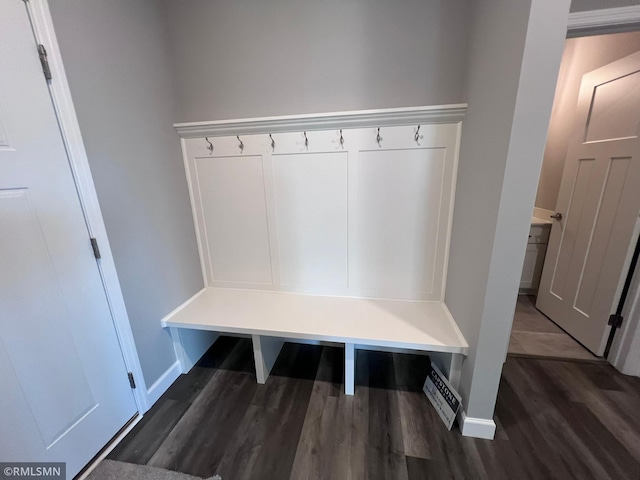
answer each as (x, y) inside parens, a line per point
(556, 419)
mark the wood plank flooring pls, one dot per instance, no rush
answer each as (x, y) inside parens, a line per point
(555, 419)
(534, 335)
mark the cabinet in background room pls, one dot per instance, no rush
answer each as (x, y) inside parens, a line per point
(534, 258)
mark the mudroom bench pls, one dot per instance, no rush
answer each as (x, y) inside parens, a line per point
(272, 317)
(323, 228)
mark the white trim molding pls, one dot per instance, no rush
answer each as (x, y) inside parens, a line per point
(79, 163)
(324, 121)
(606, 17)
(476, 427)
(155, 391)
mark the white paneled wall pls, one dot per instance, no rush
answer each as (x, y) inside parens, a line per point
(369, 216)
(231, 196)
(311, 215)
(399, 197)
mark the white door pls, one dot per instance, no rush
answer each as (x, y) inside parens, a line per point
(599, 202)
(64, 387)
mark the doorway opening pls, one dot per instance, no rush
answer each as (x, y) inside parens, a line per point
(585, 222)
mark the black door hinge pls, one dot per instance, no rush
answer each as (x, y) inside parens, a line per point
(132, 382)
(42, 53)
(96, 250)
(615, 320)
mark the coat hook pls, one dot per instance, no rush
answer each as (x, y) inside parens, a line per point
(241, 144)
(378, 137)
(273, 143)
(306, 140)
(210, 146)
(341, 139)
(417, 136)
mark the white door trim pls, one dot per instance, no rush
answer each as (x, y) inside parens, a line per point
(606, 17)
(72, 137)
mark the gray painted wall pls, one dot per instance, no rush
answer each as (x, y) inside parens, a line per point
(250, 58)
(581, 55)
(515, 56)
(115, 56)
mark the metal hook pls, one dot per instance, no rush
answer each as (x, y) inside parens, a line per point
(378, 137)
(306, 140)
(210, 146)
(273, 143)
(417, 136)
(241, 144)
(341, 139)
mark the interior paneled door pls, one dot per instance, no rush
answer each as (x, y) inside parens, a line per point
(599, 203)
(64, 384)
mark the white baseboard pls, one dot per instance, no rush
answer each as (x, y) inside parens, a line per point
(476, 427)
(155, 391)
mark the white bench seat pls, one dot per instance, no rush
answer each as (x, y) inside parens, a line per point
(272, 316)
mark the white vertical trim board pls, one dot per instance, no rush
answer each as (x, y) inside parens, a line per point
(194, 212)
(476, 427)
(349, 368)
(625, 350)
(190, 345)
(265, 351)
(72, 137)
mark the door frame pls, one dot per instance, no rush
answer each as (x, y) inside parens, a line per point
(60, 93)
(625, 350)
(603, 21)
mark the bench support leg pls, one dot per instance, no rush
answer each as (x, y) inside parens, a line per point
(265, 352)
(191, 345)
(349, 368)
(455, 369)
(181, 355)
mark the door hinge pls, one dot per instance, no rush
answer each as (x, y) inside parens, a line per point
(615, 320)
(42, 53)
(96, 250)
(132, 382)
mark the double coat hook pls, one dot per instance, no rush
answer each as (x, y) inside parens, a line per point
(210, 146)
(379, 138)
(241, 144)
